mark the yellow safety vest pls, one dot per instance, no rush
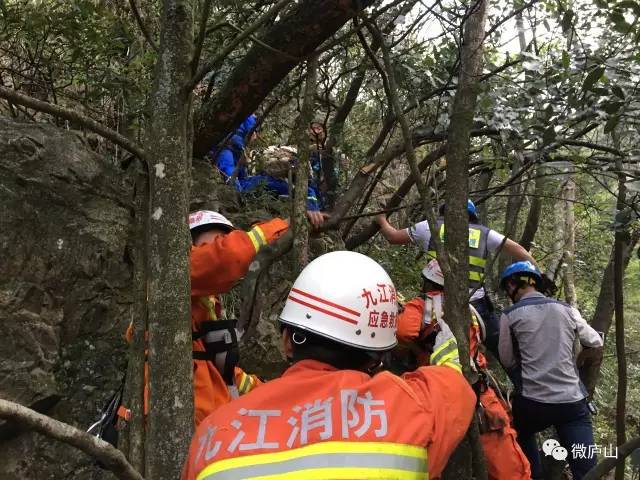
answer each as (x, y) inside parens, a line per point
(478, 252)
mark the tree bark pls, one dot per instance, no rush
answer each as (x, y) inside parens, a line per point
(170, 420)
(482, 184)
(603, 315)
(514, 202)
(102, 451)
(134, 386)
(604, 467)
(297, 34)
(556, 257)
(456, 308)
(569, 196)
(300, 225)
(618, 278)
(533, 217)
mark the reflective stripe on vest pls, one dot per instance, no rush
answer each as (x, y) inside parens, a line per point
(336, 460)
(246, 384)
(210, 304)
(477, 250)
(256, 235)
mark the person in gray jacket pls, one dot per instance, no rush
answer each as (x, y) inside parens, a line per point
(537, 345)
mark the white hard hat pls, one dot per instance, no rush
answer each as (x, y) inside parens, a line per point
(347, 297)
(432, 272)
(208, 217)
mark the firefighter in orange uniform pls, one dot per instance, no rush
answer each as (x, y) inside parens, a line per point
(330, 416)
(417, 325)
(220, 256)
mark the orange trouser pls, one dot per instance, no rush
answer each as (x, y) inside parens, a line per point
(505, 459)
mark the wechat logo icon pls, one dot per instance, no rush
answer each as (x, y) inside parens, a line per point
(551, 447)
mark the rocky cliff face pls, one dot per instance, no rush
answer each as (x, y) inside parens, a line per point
(64, 290)
(66, 218)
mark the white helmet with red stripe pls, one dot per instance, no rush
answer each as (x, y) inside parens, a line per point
(433, 272)
(207, 218)
(347, 297)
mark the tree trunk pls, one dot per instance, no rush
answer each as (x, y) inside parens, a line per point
(296, 35)
(482, 184)
(170, 420)
(514, 202)
(603, 315)
(554, 269)
(569, 196)
(300, 225)
(457, 191)
(134, 387)
(618, 278)
(533, 217)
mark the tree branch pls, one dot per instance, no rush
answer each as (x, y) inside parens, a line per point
(110, 457)
(298, 34)
(608, 464)
(261, 263)
(591, 145)
(202, 33)
(261, 20)
(75, 117)
(142, 25)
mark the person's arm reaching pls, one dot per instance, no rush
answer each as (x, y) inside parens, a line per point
(216, 266)
(517, 252)
(505, 344)
(392, 234)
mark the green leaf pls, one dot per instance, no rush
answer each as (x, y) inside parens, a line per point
(630, 4)
(548, 136)
(613, 107)
(617, 91)
(565, 60)
(611, 124)
(619, 23)
(593, 76)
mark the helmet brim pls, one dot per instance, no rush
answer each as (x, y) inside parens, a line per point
(337, 340)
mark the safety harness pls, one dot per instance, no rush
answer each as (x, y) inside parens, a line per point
(220, 340)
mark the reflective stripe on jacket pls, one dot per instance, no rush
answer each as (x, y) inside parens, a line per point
(326, 460)
(215, 267)
(317, 422)
(478, 251)
(505, 459)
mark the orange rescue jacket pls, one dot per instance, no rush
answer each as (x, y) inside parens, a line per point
(505, 458)
(215, 267)
(317, 422)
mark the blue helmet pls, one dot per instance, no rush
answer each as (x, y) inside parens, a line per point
(525, 268)
(471, 208)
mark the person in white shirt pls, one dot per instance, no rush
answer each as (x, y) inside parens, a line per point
(482, 242)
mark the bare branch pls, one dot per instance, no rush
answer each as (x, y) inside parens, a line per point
(102, 451)
(591, 145)
(72, 116)
(261, 20)
(142, 25)
(202, 33)
(608, 464)
(249, 310)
